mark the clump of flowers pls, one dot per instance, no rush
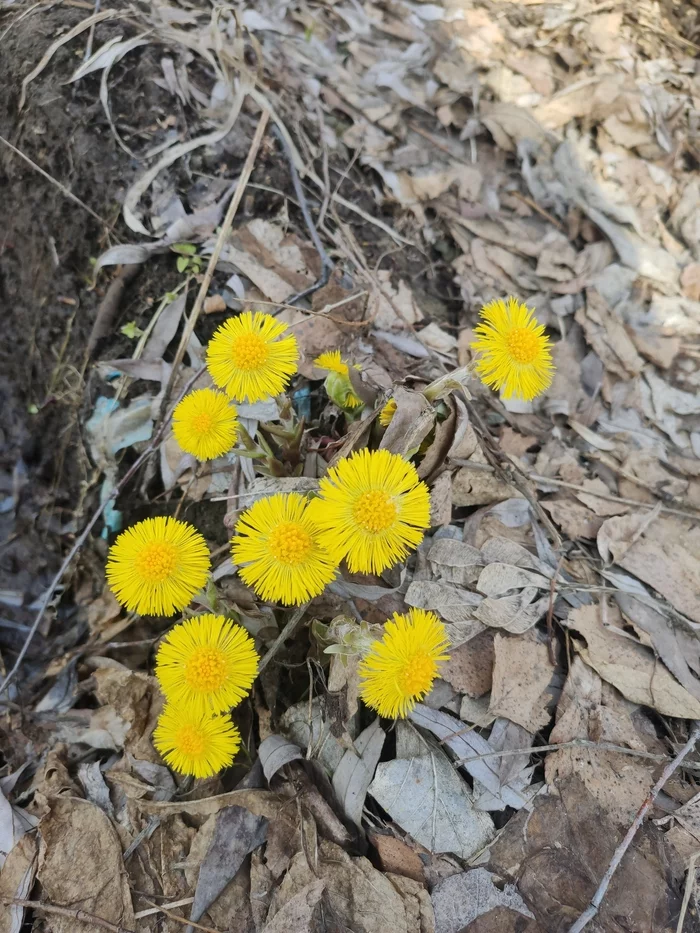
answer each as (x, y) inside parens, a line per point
(194, 744)
(156, 566)
(514, 350)
(399, 669)
(206, 664)
(338, 384)
(372, 510)
(279, 544)
(252, 357)
(205, 424)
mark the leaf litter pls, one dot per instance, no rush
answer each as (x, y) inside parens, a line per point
(543, 152)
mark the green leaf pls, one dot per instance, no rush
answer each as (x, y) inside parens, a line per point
(182, 263)
(131, 330)
(184, 249)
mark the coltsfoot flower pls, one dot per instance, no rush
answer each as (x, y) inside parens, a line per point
(205, 424)
(514, 350)
(156, 566)
(206, 664)
(338, 385)
(400, 668)
(195, 744)
(280, 548)
(372, 509)
(386, 415)
(252, 356)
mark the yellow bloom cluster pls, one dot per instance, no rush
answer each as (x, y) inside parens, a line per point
(205, 666)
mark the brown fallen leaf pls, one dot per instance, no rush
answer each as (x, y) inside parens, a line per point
(521, 677)
(357, 895)
(469, 669)
(137, 701)
(607, 336)
(462, 899)
(81, 864)
(574, 519)
(558, 853)
(454, 561)
(16, 881)
(663, 552)
(412, 421)
(397, 856)
(589, 709)
(299, 912)
(630, 667)
(502, 920)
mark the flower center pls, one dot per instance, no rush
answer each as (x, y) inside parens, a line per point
(417, 675)
(249, 351)
(523, 345)
(157, 561)
(374, 511)
(190, 741)
(290, 543)
(206, 669)
(202, 423)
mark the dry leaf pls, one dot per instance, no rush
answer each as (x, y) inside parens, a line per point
(356, 895)
(16, 881)
(476, 487)
(428, 799)
(300, 911)
(607, 336)
(574, 519)
(515, 613)
(412, 421)
(589, 709)
(521, 678)
(451, 602)
(665, 554)
(498, 579)
(81, 864)
(354, 774)
(630, 667)
(454, 561)
(459, 900)
(470, 665)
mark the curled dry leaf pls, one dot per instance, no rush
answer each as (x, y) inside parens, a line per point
(354, 774)
(664, 552)
(499, 579)
(451, 602)
(454, 561)
(16, 881)
(629, 666)
(515, 613)
(412, 422)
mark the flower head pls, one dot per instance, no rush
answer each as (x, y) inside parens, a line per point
(156, 566)
(372, 509)
(250, 359)
(205, 424)
(195, 744)
(338, 384)
(207, 664)
(387, 413)
(515, 351)
(280, 547)
(400, 669)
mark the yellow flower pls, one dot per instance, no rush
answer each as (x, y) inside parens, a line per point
(332, 362)
(246, 359)
(372, 509)
(156, 566)
(387, 413)
(206, 664)
(205, 424)
(280, 547)
(338, 384)
(515, 351)
(400, 669)
(195, 744)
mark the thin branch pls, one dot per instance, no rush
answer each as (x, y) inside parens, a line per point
(188, 330)
(560, 746)
(62, 188)
(326, 262)
(178, 919)
(48, 595)
(286, 633)
(72, 913)
(597, 899)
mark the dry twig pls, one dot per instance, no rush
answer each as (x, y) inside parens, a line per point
(71, 913)
(597, 899)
